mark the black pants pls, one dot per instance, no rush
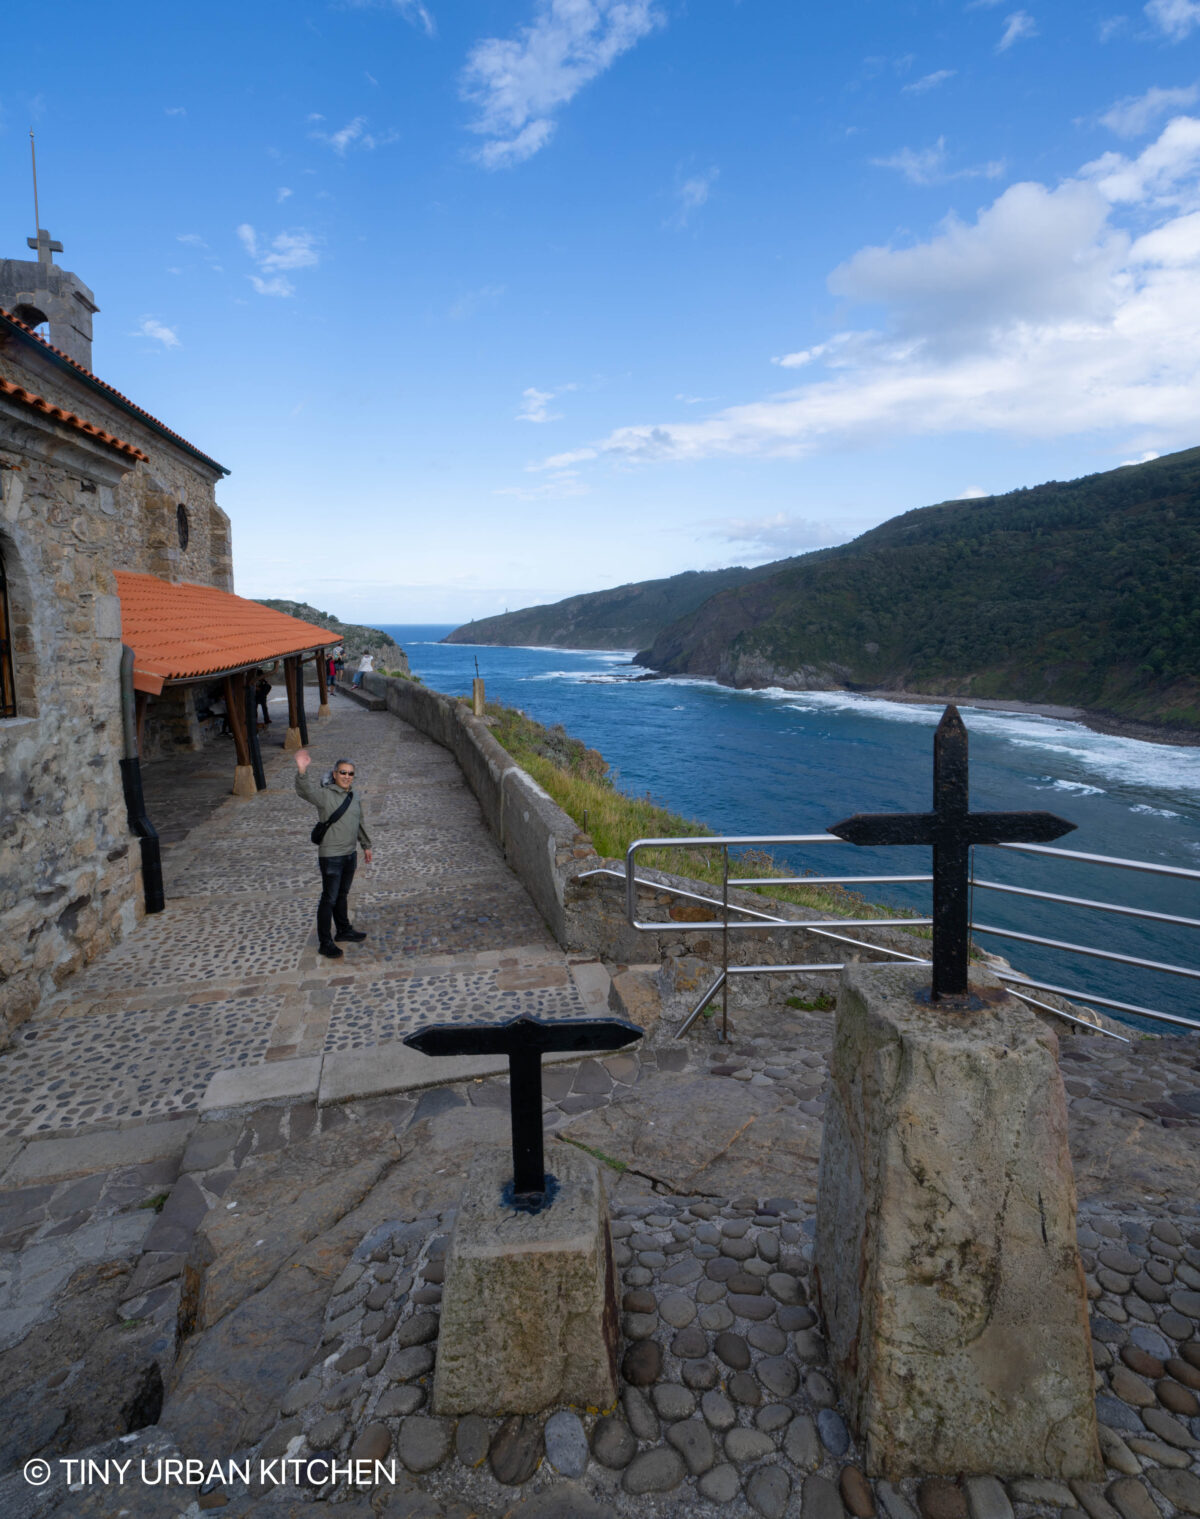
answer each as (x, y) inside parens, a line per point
(337, 872)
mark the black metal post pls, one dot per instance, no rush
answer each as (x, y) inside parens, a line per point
(260, 778)
(135, 810)
(951, 860)
(525, 1095)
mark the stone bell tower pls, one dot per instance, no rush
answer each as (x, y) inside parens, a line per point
(37, 291)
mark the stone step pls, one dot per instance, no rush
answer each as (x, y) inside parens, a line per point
(363, 698)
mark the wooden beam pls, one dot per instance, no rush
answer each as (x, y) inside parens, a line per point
(291, 679)
(323, 682)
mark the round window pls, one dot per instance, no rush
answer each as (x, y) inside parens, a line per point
(181, 522)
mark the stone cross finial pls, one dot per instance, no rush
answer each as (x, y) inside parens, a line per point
(46, 247)
(525, 1040)
(951, 828)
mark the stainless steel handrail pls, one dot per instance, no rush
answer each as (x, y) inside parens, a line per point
(827, 928)
(1104, 859)
(1054, 896)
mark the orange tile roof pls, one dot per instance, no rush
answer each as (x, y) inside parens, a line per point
(25, 331)
(182, 631)
(39, 403)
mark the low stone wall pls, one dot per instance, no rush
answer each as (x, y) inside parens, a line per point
(541, 843)
(586, 911)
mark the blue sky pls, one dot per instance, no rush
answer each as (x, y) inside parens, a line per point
(487, 304)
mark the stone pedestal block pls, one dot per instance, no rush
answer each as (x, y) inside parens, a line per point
(947, 1267)
(529, 1308)
(291, 739)
(244, 783)
(323, 710)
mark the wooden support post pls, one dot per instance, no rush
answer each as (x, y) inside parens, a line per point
(323, 682)
(291, 676)
(477, 696)
(235, 707)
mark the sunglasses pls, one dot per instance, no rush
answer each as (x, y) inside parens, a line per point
(345, 772)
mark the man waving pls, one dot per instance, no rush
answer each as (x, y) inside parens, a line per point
(338, 833)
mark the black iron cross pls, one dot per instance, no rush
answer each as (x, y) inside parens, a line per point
(951, 828)
(525, 1040)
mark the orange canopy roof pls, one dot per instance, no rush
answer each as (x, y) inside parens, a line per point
(183, 631)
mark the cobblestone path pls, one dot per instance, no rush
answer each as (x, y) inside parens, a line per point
(229, 976)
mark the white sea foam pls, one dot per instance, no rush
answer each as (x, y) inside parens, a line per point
(1169, 769)
(1048, 782)
(1155, 812)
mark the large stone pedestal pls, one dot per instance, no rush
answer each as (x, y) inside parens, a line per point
(529, 1309)
(947, 1266)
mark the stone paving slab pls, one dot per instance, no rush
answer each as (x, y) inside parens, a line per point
(55, 1160)
(248, 1085)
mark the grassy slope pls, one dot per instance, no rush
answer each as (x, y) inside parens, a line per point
(1083, 593)
(579, 781)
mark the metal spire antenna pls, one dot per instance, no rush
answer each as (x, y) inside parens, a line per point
(37, 221)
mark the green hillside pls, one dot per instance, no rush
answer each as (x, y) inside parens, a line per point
(625, 618)
(358, 640)
(1083, 593)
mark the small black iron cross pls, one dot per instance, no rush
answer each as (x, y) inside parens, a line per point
(951, 828)
(525, 1040)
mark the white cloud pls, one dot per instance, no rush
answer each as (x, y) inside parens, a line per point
(291, 250)
(353, 135)
(557, 488)
(417, 15)
(175, 110)
(928, 82)
(287, 250)
(278, 285)
(518, 84)
(777, 535)
(927, 166)
(1019, 24)
(150, 327)
(533, 406)
(1176, 19)
(1150, 453)
(972, 493)
(413, 12)
(1112, 27)
(192, 239)
(691, 194)
(1136, 114)
(281, 195)
(1043, 317)
(1159, 171)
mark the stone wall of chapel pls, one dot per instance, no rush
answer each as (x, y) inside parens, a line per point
(72, 511)
(70, 879)
(144, 534)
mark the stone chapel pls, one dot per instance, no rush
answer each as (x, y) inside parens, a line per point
(116, 609)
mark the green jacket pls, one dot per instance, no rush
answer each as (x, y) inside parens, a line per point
(349, 831)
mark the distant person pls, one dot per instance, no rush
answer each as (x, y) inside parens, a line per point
(365, 665)
(338, 833)
(262, 689)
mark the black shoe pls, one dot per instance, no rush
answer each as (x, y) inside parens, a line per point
(330, 951)
(350, 935)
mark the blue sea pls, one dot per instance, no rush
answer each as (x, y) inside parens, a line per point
(785, 762)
